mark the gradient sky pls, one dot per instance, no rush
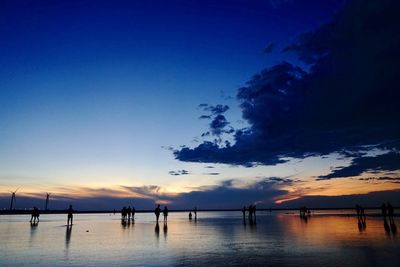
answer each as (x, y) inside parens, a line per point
(98, 98)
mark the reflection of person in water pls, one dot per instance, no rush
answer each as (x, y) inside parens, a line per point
(68, 235)
(133, 213)
(165, 230)
(390, 226)
(157, 230)
(361, 220)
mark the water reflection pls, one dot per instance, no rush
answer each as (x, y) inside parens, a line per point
(282, 238)
(390, 227)
(157, 230)
(34, 226)
(165, 230)
(68, 236)
(362, 224)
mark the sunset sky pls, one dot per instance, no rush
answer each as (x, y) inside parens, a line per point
(215, 104)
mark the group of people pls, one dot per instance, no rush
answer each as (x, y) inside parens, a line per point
(304, 212)
(157, 212)
(35, 215)
(251, 212)
(127, 213)
(195, 214)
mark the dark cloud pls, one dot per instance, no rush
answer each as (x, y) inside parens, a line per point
(348, 99)
(280, 180)
(384, 178)
(218, 124)
(179, 172)
(226, 195)
(373, 199)
(382, 163)
(215, 110)
(205, 134)
(222, 196)
(205, 117)
(212, 173)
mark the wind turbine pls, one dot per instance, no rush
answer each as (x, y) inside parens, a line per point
(47, 200)
(13, 200)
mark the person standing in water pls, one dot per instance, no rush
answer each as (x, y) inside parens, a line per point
(157, 212)
(133, 213)
(165, 213)
(70, 215)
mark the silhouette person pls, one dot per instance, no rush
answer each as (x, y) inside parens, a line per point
(250, 212)
(70, 215)
(123, 213)
(244, 212)
(165, 213)
(190, 216)
(33, 214)
(195, 213)
(129, 212)
(133, 213)
(157, 212)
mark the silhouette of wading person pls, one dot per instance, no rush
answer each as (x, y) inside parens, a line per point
(70, 215)
(133, 213)
(165, 213)
(157, 212)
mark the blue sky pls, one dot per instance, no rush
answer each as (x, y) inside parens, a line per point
(94, 93)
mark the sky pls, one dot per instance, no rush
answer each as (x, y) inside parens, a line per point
(215, 104)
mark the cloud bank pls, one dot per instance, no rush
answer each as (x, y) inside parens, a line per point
(346, 100)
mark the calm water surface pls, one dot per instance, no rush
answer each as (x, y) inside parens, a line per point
(215, 239)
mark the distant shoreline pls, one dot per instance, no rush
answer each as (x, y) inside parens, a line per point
(22, 212)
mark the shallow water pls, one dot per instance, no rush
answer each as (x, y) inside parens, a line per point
(214, 239)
